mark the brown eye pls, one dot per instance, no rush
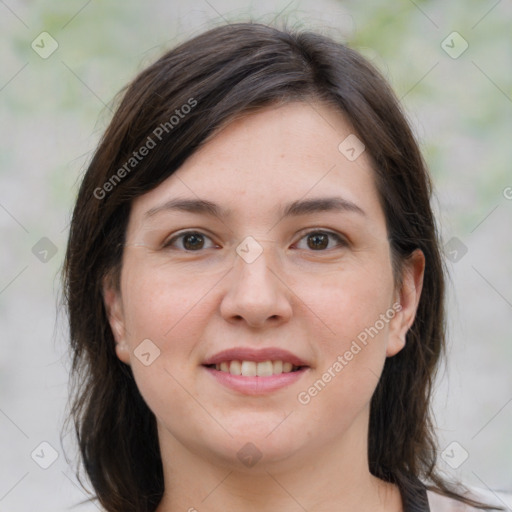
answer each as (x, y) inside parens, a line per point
(321, 240)
(193, 241)
(318, 241)
(190, 241)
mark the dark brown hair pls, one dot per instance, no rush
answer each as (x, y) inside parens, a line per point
(219, 75)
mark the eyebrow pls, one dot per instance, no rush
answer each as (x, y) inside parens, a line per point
(192, 206)
(293, 209)
(321, 204)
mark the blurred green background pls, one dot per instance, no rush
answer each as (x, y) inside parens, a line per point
(54, 109)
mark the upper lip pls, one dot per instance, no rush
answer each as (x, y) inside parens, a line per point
(256, 355)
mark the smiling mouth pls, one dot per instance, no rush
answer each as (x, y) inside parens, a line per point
(255, 369)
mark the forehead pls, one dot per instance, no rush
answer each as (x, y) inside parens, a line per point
(270, 157)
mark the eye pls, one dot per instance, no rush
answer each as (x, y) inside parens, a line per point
(189, 241)
(319, 240)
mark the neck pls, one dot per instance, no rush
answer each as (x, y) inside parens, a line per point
(321, 480)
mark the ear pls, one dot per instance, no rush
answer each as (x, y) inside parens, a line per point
(114, 308)
(408, 296)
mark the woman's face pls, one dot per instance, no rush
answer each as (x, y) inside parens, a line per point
(265, 252)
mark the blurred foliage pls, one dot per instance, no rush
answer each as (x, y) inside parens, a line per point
(103, 44)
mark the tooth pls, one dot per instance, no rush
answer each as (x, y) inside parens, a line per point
(235, 368)
(277, 367)
(264, 369)
(248, 368)
(252, 369)
(287, 367)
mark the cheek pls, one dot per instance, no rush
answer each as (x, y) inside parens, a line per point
(341, 387)
(160, 303)
(356, 310)
(348, 301)
(172, 312)
(171, 315)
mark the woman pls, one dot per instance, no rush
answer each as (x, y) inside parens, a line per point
(255, 287)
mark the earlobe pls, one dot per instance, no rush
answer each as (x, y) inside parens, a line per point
(409, 297)
(123, 352)
(114, 310)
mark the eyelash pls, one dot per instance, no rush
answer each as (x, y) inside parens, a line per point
(341, 242)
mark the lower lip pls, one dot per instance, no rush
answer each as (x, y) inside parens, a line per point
(256, 385)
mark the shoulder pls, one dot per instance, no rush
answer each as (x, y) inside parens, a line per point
(439, 503)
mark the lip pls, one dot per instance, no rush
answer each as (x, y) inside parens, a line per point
(256, 355)
(255, 385)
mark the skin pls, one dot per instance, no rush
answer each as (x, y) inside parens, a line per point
(312, 302)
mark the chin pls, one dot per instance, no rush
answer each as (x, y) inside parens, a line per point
(262, 444)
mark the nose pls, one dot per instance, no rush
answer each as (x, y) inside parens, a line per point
(256, 293)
